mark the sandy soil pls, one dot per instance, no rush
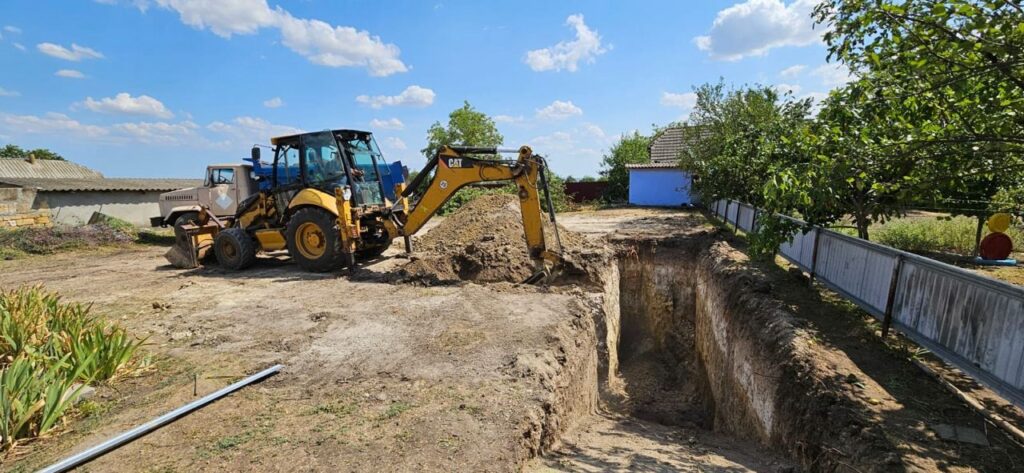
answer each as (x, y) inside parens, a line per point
(375, 374)
(398, 377)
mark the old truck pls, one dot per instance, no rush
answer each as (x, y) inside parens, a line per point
(224, 187)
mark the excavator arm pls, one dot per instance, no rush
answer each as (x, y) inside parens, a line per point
(454, 169)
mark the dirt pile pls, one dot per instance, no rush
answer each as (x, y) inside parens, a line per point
(484, 242)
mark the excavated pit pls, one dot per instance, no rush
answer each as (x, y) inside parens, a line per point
(681, 333)
(688, 336)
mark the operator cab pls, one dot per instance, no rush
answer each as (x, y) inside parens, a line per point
(328, 159)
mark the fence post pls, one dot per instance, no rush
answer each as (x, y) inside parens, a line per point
(728, 203)
(814, 256)
(753, 220)
(887, 320)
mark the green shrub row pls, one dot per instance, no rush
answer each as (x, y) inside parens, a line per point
(49, 350)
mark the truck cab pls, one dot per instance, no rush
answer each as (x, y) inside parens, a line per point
(224, 186)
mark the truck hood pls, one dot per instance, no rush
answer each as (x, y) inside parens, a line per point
(188, 193)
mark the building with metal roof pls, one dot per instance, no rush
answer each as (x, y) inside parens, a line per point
(34, 191)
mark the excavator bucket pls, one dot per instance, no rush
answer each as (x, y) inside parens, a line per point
(197, 244)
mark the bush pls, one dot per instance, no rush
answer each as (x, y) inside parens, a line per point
(47, 347)
(954, 235)
(48, 240)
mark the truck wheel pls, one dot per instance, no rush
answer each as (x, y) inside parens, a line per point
(234, 249)
(314, 241)
(179, 233)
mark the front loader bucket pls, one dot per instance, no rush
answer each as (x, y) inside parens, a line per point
(197, 246)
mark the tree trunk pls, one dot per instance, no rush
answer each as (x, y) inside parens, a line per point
(977, 234)
(862, 223)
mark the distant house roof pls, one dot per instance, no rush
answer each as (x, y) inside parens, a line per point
(670, 165)
(670, 142)
(102, 184)
(45, 169)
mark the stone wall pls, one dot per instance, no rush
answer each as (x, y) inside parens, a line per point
(35, 218)
(16, 209)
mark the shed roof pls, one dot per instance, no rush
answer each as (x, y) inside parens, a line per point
(667, 145)
(45, 168)
(102, 184)
(654, 166)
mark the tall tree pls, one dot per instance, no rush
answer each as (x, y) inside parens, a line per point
(947, 78)
(466, 126)
(738, 137)
(630, 149)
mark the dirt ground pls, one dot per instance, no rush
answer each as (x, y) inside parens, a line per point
(386, 376)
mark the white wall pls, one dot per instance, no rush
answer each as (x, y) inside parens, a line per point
(75, 208)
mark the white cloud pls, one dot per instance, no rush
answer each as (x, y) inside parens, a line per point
(19, 46)
(224, 18)
(8, 93)
(508, 119)
(12, 29)
(569, 153)
(793, 71)
(160, 132)
(832, 75)
(593, 131)
(51, 123)
(685, 100)
(559, 110)
(389, 124)
(319, 42)
(412, 96)
(248, 130)
(142, 5)
(70, 74)
(339, 46)
(76, 53)
(568, 54)
(124, 103)
(754, 27)
(395, 143)
(273, 103)
(788, 88)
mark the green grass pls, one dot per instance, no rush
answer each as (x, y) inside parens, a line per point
(395, 409)
(929, 234)
(49, 350)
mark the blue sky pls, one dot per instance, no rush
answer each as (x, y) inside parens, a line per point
(160, 88)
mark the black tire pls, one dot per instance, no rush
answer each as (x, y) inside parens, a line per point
(179, 233)
(321, 252)
(234, 249)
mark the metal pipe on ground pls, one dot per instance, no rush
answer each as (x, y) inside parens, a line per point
(92, 453)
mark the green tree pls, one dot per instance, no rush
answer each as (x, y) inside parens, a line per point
(588, 179)
(15, 152)
(947, 79)
(739, 137)
(630, 149)
(470, 127)
(466, 127)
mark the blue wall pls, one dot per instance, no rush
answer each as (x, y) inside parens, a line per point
(659, 187)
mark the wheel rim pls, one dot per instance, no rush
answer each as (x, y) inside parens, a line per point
(310, 240)
(229, 250)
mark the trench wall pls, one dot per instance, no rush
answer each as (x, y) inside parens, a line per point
(713, 318)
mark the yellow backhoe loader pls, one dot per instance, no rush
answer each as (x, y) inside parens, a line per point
(323, 200)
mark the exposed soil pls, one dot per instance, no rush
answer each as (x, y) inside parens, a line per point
(501, 376)
(483, 242)
(377, 376)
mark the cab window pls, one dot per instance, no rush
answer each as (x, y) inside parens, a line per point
(220, 176)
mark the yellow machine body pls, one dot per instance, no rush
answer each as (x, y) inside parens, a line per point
(307, 222)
